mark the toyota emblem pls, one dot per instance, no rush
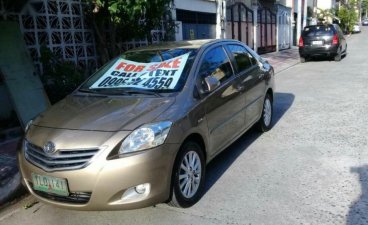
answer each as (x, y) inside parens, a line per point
(49, 148)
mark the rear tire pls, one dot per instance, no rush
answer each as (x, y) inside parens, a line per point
(188, 176)
(265, 122)
(338, 57)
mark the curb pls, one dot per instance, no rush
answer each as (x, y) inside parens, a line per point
(291, 65)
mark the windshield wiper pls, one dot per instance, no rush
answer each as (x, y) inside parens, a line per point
(120, 91)
(141, 91)
(91, 91)
(87, 90)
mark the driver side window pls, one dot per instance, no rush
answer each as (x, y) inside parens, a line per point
(217, 64)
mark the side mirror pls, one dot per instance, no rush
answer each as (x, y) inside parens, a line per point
(211, 83)
(262, 62)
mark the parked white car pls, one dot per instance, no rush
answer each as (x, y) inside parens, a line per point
(356, 28)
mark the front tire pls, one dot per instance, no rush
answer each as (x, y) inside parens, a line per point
(265, 122)
(346, 50)
(188, 176)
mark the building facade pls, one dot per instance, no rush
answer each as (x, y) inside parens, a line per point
(199, 19)
(265, 25)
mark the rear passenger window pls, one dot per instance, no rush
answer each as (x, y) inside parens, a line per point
(216, 63)
(243, 59)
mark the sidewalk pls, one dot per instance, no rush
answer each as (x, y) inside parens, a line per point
(282, 60)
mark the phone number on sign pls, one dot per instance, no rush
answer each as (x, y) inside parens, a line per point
(151, 83)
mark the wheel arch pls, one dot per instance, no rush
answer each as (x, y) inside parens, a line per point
(195, 137)
(270, 92)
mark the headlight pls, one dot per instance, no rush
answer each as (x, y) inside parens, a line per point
(28, 126)
(145, 137)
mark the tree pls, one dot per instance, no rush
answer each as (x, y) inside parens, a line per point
(348, 15)
(323, 15)
(116, 21)
(365, 8)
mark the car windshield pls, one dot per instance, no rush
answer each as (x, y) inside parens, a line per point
(143, 72)
(318, 31)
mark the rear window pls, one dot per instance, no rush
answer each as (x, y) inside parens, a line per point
(318, 31)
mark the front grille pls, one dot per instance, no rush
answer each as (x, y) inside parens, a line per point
(61, 160)
(74, 197)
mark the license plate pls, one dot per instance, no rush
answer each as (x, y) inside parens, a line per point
(48, 184)
(317, 42)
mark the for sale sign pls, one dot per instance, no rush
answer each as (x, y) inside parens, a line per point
(158, 75)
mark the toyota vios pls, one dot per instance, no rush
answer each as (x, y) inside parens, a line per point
(141, 130)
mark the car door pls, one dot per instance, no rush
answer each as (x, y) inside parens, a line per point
(223, 105)
(250, 82)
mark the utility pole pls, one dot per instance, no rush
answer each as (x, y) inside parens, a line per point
(304, 13)
(299, 20)
(360, 11)
(314, 8)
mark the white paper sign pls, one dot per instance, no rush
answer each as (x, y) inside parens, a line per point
(129, 74)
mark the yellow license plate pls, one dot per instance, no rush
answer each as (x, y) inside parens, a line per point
(49, 184)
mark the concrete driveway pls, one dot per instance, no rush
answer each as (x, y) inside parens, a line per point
(311, 168)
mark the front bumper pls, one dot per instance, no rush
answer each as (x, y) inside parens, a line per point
(107, 180)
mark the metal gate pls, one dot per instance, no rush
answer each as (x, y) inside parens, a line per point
(266, 31)
(240, 23)
(284, 30)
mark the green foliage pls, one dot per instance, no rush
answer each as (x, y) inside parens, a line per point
(59, 78)
(116, 21)
(323, 15)
(365, 8)
(348, 16)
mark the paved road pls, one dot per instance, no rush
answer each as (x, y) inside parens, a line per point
(312, 168)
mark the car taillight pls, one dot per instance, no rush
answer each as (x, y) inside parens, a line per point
(301, 42)
(335, 40)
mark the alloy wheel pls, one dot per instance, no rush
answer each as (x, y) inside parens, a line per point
(267, 112)
(190, 174)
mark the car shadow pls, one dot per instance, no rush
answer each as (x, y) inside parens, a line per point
(217, 167)
(358, 210)
(324, 58)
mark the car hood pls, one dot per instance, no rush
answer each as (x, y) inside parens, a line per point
(101, 113)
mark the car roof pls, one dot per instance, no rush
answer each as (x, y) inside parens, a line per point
(320, 25)
(181, 44)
